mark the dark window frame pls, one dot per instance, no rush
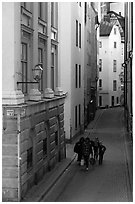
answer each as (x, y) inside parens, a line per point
(100, 83)
(80, 35)
(29, 158)
(56, 138)
(76, 33)
(100, 65)
(114, 85)
(75, 117)
(100, 100)
(114, 65)
(24, 67)
(79, 76)
(40, 62)
(76, 75)
(44, 147)
(52, 69)
(79, 114)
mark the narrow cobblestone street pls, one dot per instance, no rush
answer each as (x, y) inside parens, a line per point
(107, 183)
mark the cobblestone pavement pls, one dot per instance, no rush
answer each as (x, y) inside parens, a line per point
(107, 183)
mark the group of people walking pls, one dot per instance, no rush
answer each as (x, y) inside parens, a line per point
(89, 151)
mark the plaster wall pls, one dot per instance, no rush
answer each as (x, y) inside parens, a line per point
(108, 53)
(65, 59)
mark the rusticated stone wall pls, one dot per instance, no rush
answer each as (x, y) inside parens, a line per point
(26, 127)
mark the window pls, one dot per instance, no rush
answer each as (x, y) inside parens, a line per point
(117, 100)
(112, 100)
(100, 44)
(85, 16)
(100, 65)
(79, 114)
(52, 70)
(114, 85)
(40, 14)
(76, 76)
(100, 100)
(79, 76)
(115, 45)
(114, 65)
(80, 4)
(100, 82)
(45, 147)
(29, 158)
(76, 33)
(114, 31)
(40, 61)
(56, 138)
(24, 64)
(122, 51)
(79, 35)
(75, 117)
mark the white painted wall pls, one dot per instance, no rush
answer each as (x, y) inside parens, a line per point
(108, 53)
(10, 45)
(77, 57)
(65, 60)
(69, 55)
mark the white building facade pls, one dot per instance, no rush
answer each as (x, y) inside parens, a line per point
(110, 64)
(71, 61)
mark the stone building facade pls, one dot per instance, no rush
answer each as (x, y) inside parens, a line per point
(90, 61)
(33, 113)
(33, 142)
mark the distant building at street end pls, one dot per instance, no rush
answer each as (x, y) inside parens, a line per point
(111, 56)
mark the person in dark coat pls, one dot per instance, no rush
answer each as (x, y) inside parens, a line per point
(102, 150)
(87, 150)
(78, 149)
(96, 148)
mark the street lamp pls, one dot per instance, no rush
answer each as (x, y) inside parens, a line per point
(37, 74)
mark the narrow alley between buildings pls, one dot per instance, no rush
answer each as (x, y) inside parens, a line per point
(107, 183)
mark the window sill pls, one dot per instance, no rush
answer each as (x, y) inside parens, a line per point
(25, 12)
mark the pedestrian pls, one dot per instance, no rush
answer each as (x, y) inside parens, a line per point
(78, 149)
(102, 150)
(87, 150)
(96, 148)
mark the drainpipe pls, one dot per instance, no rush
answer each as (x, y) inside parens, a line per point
(19, 157)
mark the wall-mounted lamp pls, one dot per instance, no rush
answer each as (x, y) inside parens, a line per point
(37, 74)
